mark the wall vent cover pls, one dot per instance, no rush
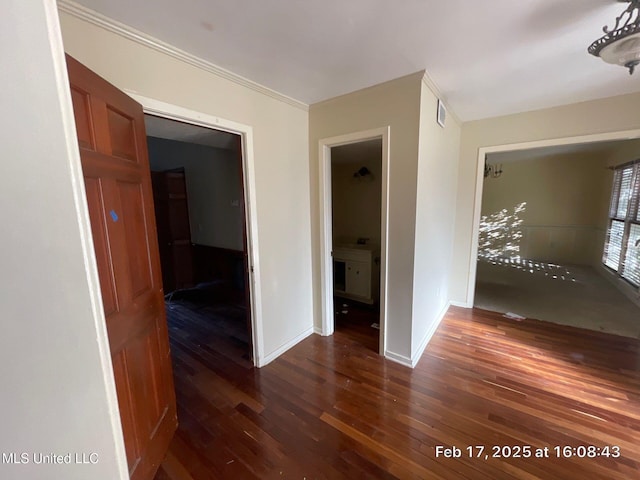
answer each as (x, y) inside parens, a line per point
(442, 113)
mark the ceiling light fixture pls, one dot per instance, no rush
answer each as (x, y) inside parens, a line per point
(621, 46)
(492, 171)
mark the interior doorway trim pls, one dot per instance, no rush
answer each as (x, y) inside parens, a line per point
(482, 153)
(185, 115)
(326, 229)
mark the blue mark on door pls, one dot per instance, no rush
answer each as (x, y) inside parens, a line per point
(114, 215)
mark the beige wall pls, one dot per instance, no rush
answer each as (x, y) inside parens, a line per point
(594, 117)
(421, 203)
(281, 151)
(565, 195)
(627, 151)
(58, 393)
(395, 104)
(213, 183)
(439, 150)
(356, 202)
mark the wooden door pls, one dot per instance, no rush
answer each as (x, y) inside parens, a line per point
(110, 128)
(174, 230)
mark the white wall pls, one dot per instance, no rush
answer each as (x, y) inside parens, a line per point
(435, 215)
(214, 189)
(395, 104)
(281, 143)
(598, 116)
(58, 394)
(566, 196)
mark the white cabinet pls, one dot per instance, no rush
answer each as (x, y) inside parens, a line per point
(358, 279)
(352, 273)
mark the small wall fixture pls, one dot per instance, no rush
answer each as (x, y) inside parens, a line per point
(493, 171)
(362, 172)
(621, 45)
(442, 113)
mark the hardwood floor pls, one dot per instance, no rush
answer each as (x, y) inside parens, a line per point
(330, 408)
(354, 320)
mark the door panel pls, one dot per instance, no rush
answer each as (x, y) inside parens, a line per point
(137, 247)
(127, 417)
(107, 283)
(122, 133)
(113, 151)
(81, 109)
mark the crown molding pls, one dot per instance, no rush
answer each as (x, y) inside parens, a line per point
(130, 33)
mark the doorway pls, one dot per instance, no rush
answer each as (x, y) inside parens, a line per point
(354, 206)
(243, 135)
(197, 176)
(356, 189)
(543, 237)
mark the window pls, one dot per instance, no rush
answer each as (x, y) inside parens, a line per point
(622, 246)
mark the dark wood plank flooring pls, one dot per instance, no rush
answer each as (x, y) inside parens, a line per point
(354, 320)
(330, 408)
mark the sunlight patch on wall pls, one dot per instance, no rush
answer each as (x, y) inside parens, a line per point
(499, 244)
(501, 233)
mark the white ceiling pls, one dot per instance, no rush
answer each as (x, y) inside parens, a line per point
(600, 148)
(185, 132)
(357, 152)
(488, 58)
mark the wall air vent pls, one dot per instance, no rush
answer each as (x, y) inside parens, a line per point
(442, 113)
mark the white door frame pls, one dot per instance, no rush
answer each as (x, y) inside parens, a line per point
(326, 234)
(483, 151)
(174, 112)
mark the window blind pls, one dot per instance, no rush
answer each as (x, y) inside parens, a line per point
(615, 193)
(625, 192)
(631, 269)
(614, 245)
(622, 245)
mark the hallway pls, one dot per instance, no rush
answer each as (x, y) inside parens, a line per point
(331, 408)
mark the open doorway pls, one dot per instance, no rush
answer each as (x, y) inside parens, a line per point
(354, 218)
(199, 196)
(546, 246)
(356, 204)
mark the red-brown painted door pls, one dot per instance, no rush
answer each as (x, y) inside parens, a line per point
(113, 149)
(174, 231)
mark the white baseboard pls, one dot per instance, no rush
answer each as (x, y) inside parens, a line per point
(280, 350)
(412, 362)
(454, 303)
(427, 337)
(318, 331)
(401, 359)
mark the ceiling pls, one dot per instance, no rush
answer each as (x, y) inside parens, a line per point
(357, 152)
(593, 148)
(185, 132)
(487, 58)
